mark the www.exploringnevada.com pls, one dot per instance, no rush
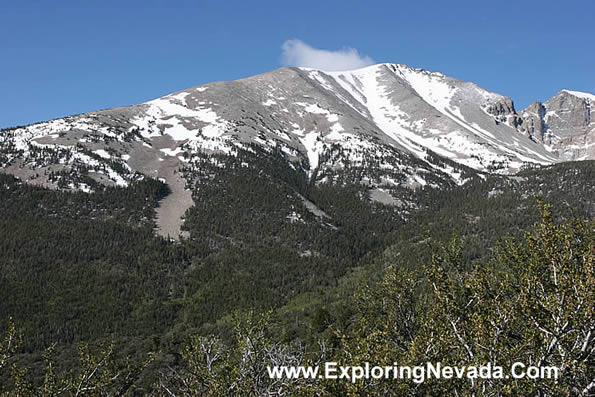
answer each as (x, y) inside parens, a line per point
(418, 373)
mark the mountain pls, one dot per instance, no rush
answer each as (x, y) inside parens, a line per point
(295, 191)
(562, 124)
(389, 127)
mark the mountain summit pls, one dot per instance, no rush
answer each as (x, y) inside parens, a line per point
(562, 124)
(397, 125)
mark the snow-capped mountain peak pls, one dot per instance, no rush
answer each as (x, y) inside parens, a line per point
(397, 125)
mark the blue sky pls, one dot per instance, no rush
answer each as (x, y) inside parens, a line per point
(67, 57)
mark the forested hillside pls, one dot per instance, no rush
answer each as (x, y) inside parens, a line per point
(87, 267)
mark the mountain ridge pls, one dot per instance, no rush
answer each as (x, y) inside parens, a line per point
(390, 125)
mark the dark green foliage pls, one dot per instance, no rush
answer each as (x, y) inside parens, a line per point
(483, 212)
(258, 199)
(77, 267)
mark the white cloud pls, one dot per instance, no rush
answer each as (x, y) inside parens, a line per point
(298, 53)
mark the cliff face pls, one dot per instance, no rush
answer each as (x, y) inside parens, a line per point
(531, 122)
(563, 124)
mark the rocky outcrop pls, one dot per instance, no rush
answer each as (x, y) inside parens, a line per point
(563, 124)
(503, 112)
(531, 122)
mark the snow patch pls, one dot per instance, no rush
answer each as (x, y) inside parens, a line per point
(102, 153)
(583, 95)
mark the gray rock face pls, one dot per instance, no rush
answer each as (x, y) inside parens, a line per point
(563, 124)
(501, 108)
(531, 122)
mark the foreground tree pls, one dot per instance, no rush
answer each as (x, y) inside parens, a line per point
(99, 373)
(533, 304)
(211, 368)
